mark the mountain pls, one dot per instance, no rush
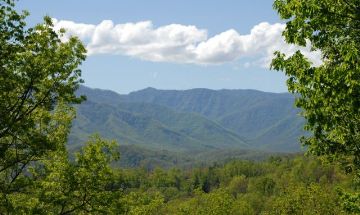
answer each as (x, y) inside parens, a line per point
(190, 121)
(149, 125)
(267, 120)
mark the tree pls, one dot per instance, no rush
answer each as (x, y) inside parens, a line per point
(329, 94)
(238, 184)
(216, 202)
(85, 185)
(38, 78)
(314, 199)
(146, 203)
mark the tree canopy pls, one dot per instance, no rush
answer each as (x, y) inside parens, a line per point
(329, 94)
(39, 75)
(38, 78)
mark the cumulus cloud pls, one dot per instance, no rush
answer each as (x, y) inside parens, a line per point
(183, 43)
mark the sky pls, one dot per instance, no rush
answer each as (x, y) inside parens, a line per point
(179, 44)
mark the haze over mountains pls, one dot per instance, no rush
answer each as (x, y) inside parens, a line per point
(191, 121)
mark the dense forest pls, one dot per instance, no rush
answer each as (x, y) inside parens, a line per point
(190, 121)
(39, 78)
(280, 185)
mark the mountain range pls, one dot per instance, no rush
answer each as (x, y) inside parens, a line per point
(190, 121)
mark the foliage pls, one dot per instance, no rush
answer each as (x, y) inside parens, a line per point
(83, 185)
(312, 199)
(329, 94)
(217, 202)
(38, 76)
(138, 203)
(64, 187)
(196, 121)
(38, 79)
(253, 188)
(350, 201)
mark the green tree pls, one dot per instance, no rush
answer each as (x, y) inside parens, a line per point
(299, 199)
(263, 185)
(38, 78)
(139, 203)
(238, 184)
(216, 202)
(329, 94)
(85, 185)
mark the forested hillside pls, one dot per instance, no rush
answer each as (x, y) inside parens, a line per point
(281, 185)
(153, 126)
(193, 120)
(196, 151)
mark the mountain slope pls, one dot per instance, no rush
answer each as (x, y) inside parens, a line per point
(156, 128)
(191, 124)
(267, 120)
(192, 120)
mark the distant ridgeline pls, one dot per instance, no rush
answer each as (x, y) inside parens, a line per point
(191, 121)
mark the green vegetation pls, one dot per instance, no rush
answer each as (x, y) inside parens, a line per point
(154, 128)
(281, 185)
(329, 94)
(136, 156)
(39, 77)
(195, 120)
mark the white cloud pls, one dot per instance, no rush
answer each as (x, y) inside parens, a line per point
(183, 43)
(83, 31)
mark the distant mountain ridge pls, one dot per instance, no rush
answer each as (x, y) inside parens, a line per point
(191, 120)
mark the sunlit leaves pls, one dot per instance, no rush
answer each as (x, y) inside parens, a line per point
(329, 94)
(38, 78)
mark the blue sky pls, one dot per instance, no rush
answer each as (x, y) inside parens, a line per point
(187, 55)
